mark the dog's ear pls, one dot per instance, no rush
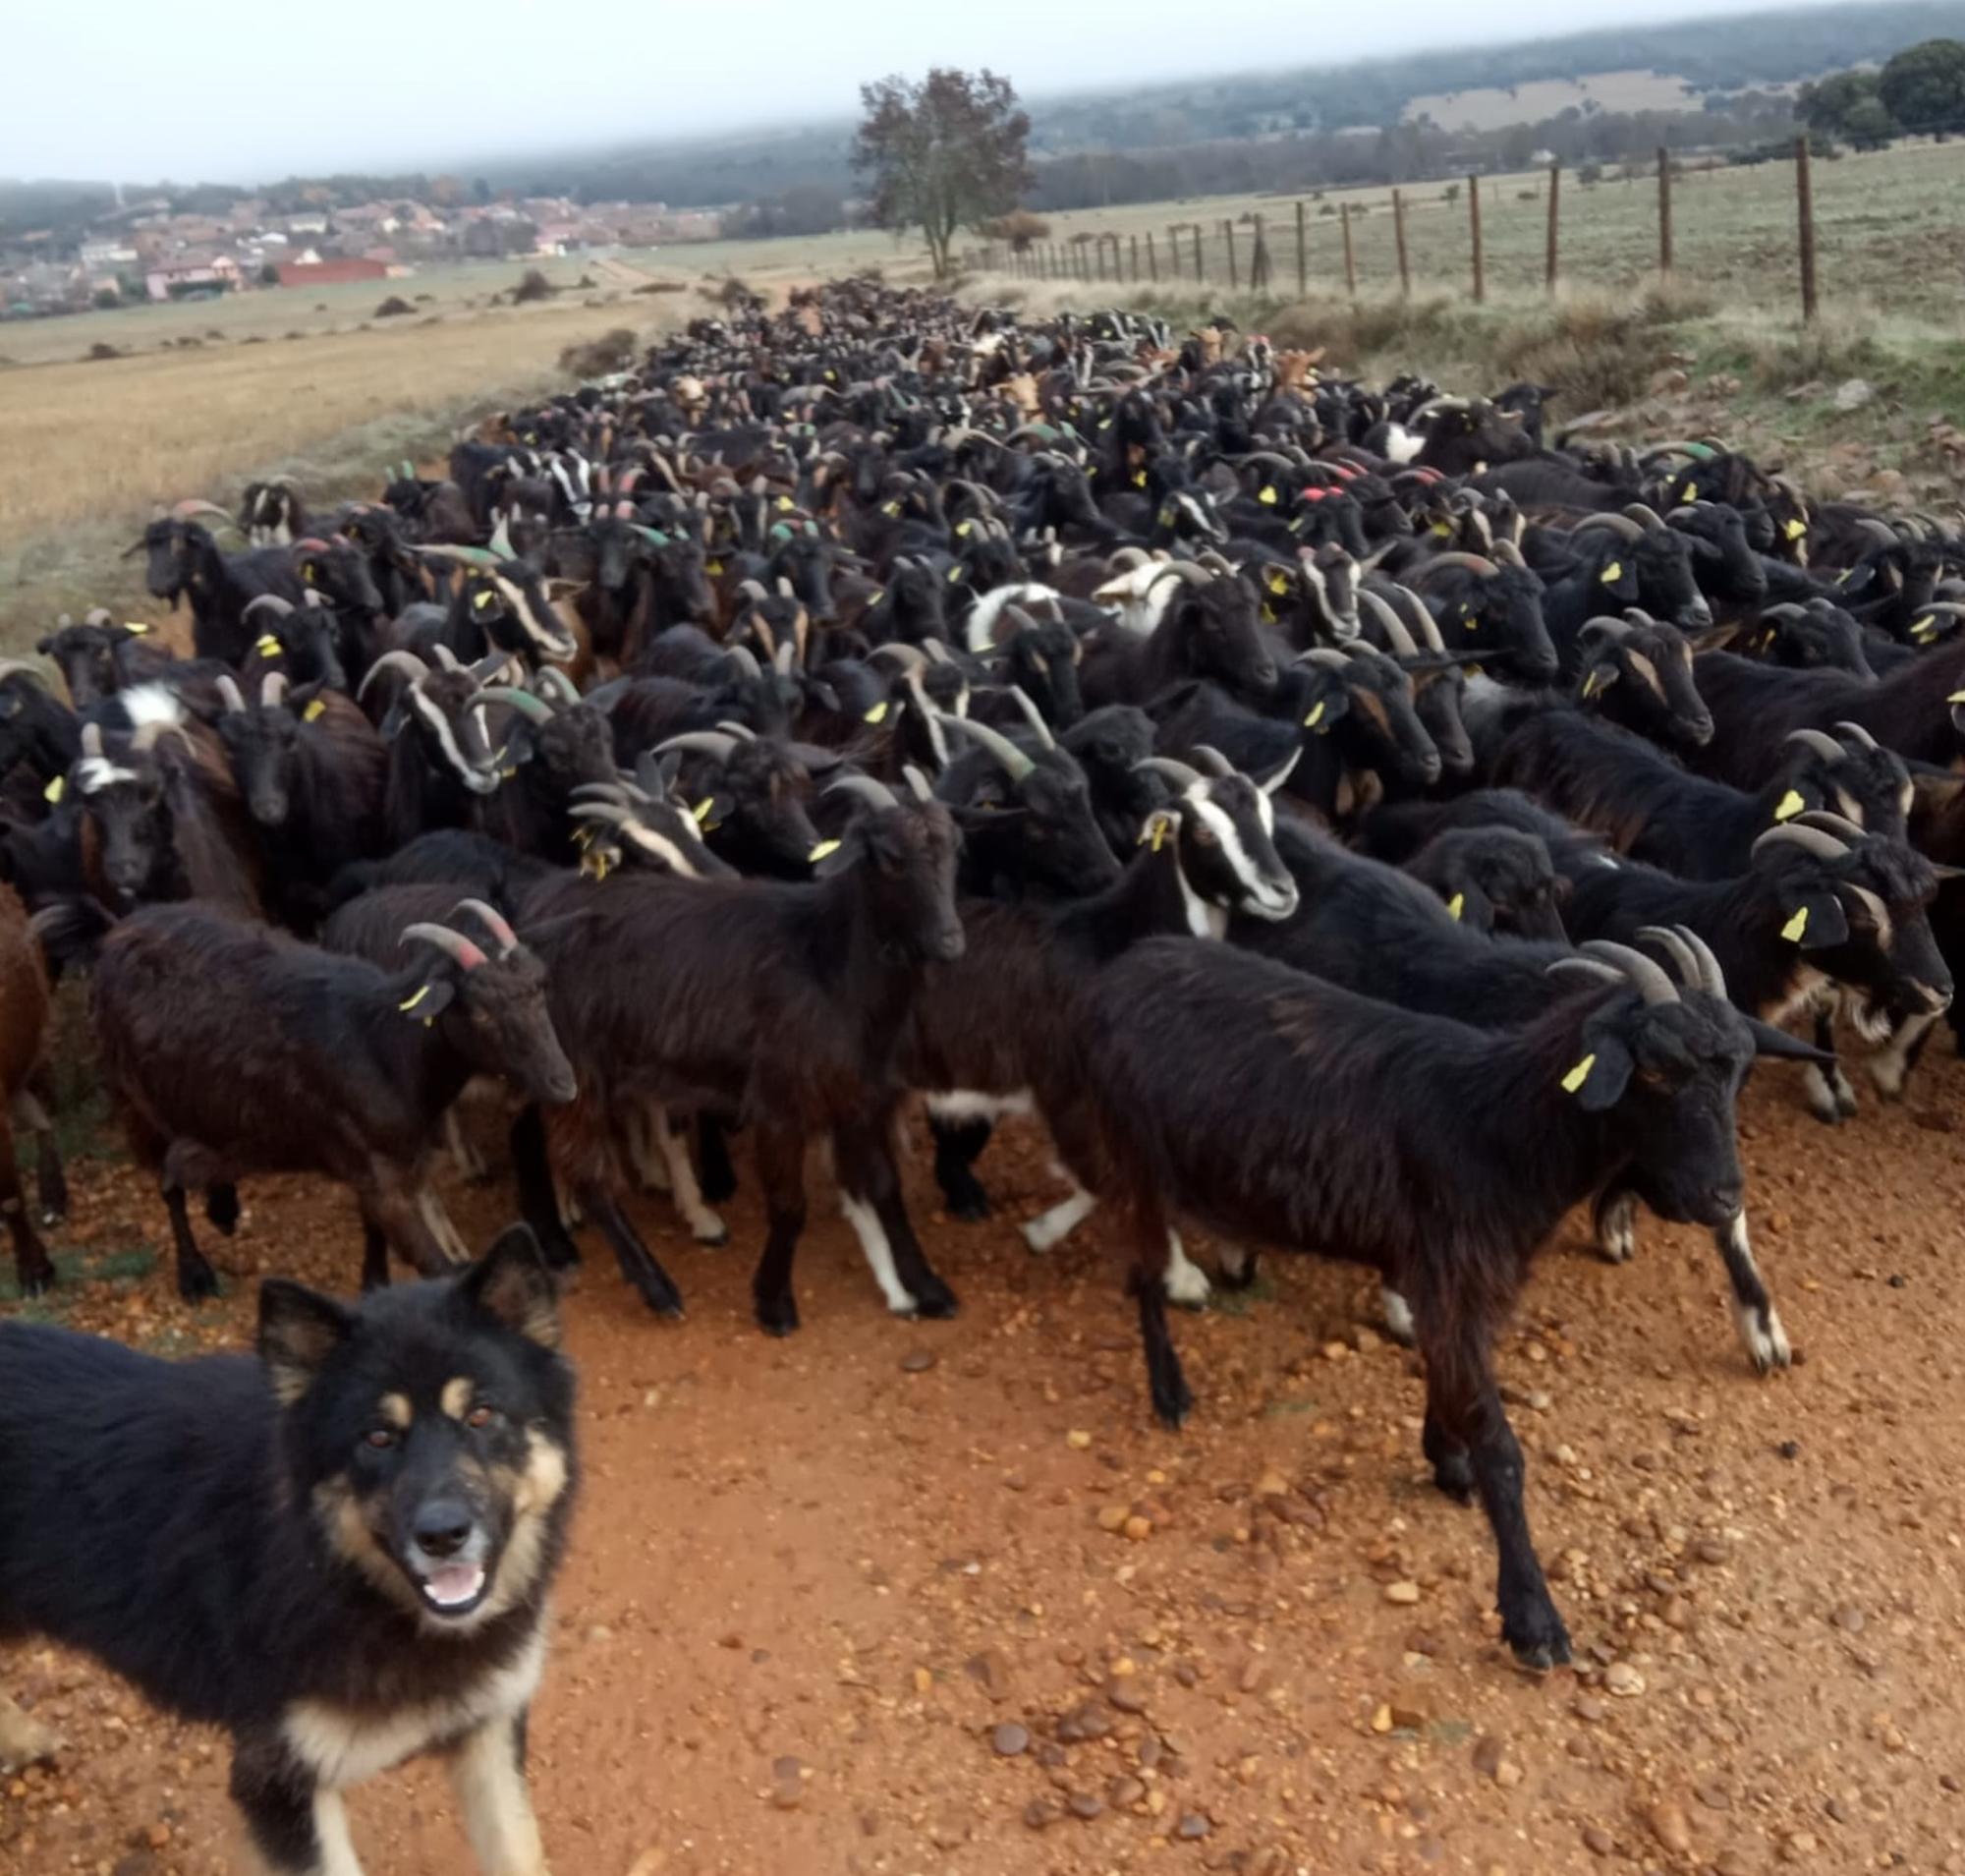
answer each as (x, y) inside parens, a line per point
(299, 1328)
(511, 1281)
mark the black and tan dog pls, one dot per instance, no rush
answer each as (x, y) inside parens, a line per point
(339, 1552)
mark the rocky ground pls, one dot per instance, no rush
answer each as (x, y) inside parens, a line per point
(940, 1597)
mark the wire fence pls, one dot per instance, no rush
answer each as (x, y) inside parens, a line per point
(1486, 234)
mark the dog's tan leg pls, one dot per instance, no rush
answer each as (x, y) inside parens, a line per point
(489, 1774)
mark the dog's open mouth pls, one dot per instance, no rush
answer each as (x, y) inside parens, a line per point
(452, 1589)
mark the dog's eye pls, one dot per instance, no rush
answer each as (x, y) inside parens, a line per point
(381, 1438)
(480, 1416)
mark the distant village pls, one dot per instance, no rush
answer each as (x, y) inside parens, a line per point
(146, 251)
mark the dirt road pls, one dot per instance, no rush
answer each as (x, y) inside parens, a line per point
(939, 1598)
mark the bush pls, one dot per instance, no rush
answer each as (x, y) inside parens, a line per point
(1020, 228)
(1589, 174)
(395, 307)
(600, 357)
(108, 299)
(532, 285)
(101, 349)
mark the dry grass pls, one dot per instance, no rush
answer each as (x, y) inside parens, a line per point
(91, 447)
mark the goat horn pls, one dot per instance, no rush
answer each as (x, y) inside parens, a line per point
(1815, 840)
(910, 657)
(274, 690)
(464, 556)
(91, 740)
(1880, 531)
(1822, 743)
(271, 601)
(745, 662)
(1652, 982)
(743, 732)
(702, 742)
(1712, 978)
(1644, 516)
(551, 678)
(393, 661)
(149, 735)
(1179, 773)
(535, 710)
(917, 784)
(1477, 562)
(493, 921)
(228, 691)
(451, 944)
(183, 510)
(1879, 912)
(872, 793)
(1390, 622)
(19, 667)
(1681, 953)
(1621, 526)
(1212, 760)
(1033, 715)
(1858, 734)
(1016, 765)
(1839, 825)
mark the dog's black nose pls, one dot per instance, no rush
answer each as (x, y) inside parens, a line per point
(442, 1528)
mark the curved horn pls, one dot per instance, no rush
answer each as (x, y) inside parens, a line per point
(1645, 516)
(91, 740)
(274, 690)
(1214, 763)
(1622, 526)
(1820, 742)
(866, 790)
(228, 692)
(535, 710)
(480, 557)
(1711, 977)
(1033, 715)
(451, 944)
(1857, 734)
(1016, 765)
(743, 732)
(493, 921)
(1477, 562)
(393, 661)
(19, 667)
(1681, 953)
(1179, 773)
(702, 742)
(1879, 913)
(917, 784)
(910, 656)
(1815, 840)
(272, 603)
(1390, 622)
(742, 656)
(1652, 982)
(550, 680)
(1832, 823)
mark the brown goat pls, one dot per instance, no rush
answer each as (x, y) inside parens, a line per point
(24, 1021)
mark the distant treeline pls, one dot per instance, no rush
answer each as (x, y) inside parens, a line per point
(1268, 130)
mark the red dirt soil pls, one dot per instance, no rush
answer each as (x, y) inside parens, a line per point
(818, 1588)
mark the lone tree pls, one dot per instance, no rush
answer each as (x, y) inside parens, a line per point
(943, 154)
(1924, 87)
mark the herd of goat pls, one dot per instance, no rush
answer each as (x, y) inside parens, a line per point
(1346, 820)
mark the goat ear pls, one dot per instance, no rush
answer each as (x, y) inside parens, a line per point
(1816, 922)
(430, 999)
(512, 1283)
(299, 1329)
(1599, 1077)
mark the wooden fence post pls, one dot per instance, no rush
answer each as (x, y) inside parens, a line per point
(1350, 256)
(1234, 271)
(1152, 259)
(1804, 194)
(1173, 248)
(1480, 259)
(1400, 235)
(1302, 255)
(1664, 211)
(1135, 259)
(1200, 271)
(1551, 264)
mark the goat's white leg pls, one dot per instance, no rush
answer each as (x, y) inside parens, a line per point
(1185, 1281)
(879, 1254)
(1398, 1316)
(643, 1126)
(471, 1166)
(1617, 1227)
(1050, 1228)
(703, 1224)
(1890, 1065)
(1754, 1314)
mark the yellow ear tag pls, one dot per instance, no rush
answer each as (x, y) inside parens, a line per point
(1139, 479)
(963, 529)
(1316, 715)
(482, 601)
(1791, 804)
(410, 1003)
(877, 715)
(954, 576)
(1457, 904)
(890, 508)
(831, 377)
(1578, 1076)
(1613, 573)
(268, 647)
(136, 626)
(1926, 627)
(55, 789)
(712, 566)
(1593, 683)
(820, 851)
(1444, 529)
(1795, 530)
(1795, 927)
(785, 502)
(1688, 491)
(1956, 697)
(1160, 832)
(702, 809)
(1279, 584)
(307, 571)
(314, 711)
(1268, 499)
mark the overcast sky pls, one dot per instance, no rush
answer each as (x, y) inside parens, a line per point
(251, 91)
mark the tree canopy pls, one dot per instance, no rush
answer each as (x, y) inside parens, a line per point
(944, 154)
(1924, 87)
